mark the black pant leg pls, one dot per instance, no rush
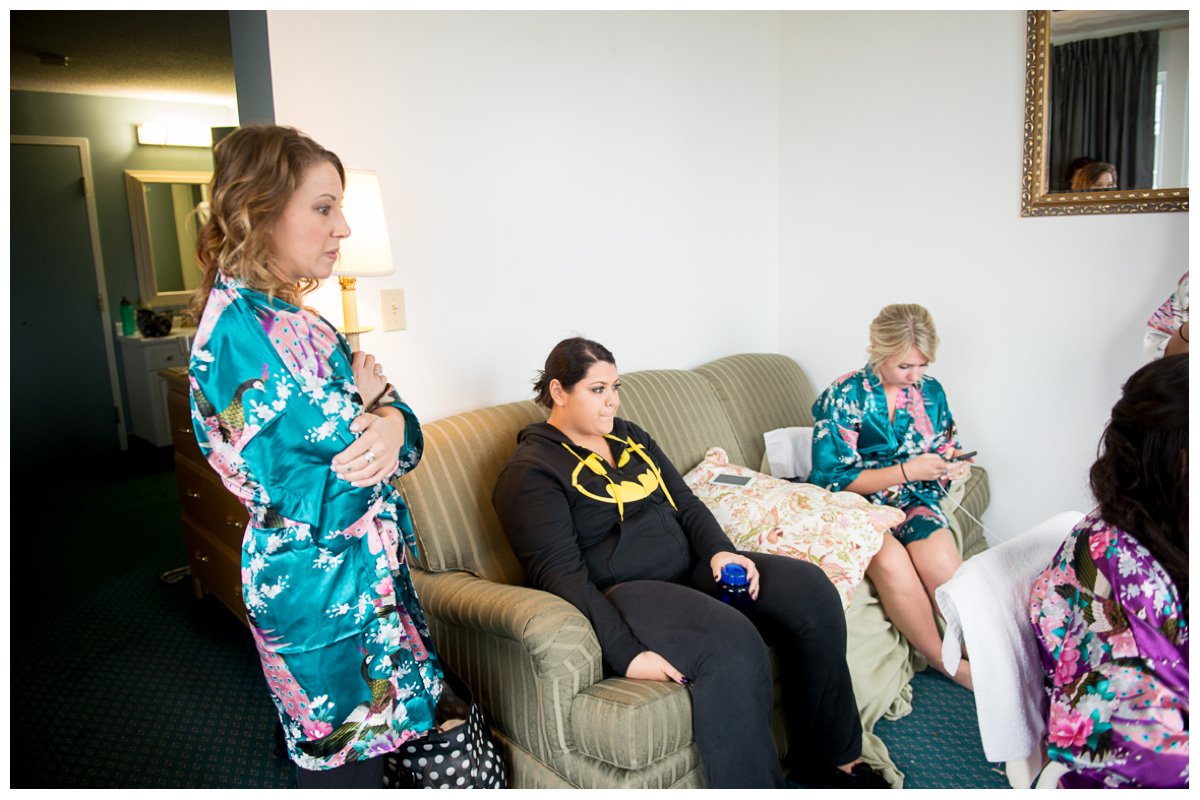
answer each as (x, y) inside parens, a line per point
(361, 774)
(799, 613)
(728, 670)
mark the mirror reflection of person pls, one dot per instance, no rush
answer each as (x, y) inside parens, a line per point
(1094, 177)
(885, 431)
(1167, 331)
(1110, 613)
(307, 436)
(598, 515)
(1075, 166)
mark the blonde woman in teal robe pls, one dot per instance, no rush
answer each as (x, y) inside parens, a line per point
(307, 435)
(886, 432)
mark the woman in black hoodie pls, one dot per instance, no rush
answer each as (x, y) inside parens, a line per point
(598, 516)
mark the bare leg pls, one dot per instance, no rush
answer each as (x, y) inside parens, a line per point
(908, 606)
(936, 559)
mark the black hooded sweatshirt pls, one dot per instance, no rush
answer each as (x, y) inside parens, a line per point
(579, 525)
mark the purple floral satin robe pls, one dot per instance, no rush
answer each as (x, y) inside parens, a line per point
(1114, 643)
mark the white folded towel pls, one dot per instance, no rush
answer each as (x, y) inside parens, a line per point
(986, 604)
(789, 452)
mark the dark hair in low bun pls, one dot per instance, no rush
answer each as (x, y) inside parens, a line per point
(568, 363)
(1140, 479)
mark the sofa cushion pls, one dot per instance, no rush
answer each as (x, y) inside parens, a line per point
(680, 410)
(759, 392)
(449, 496)
(837, 531)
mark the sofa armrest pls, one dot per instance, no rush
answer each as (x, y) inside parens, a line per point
(525, 653)
(558, 638)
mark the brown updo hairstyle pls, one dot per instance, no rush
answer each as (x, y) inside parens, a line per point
(1088, 174)
(1140, 479)
(568, 363)
(257, 169)
(899, 328)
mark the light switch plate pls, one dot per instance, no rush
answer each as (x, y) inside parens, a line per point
(393, 309)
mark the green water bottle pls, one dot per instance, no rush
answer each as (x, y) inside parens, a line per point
(128, 324)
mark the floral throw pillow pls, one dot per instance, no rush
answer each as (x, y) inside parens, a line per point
(837, 531)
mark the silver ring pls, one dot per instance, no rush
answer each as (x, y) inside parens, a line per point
(378, 372)
(369, 456)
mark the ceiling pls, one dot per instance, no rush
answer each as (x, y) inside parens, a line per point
(184, 56)
(1069, 26)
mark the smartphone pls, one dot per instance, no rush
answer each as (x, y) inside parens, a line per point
(964, 456)
(724, 479)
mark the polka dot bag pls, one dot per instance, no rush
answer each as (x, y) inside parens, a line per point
(454, 756)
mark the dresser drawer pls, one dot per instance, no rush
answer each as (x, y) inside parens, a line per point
(166, 354)
(215, 568)
(182, 435)
(206, 501)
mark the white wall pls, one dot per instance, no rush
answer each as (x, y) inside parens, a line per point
(546, 174)
(901, 140)
(651, 180)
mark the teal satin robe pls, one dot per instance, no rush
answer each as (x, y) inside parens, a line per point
(852, 432)
(343, 641)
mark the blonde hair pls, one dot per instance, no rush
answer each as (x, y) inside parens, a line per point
(898, 329)
(257, 169)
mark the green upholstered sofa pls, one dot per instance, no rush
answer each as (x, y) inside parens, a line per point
(532, 658)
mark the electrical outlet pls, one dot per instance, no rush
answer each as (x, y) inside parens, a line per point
(393, 309)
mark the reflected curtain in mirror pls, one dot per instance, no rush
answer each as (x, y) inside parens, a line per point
(1102, 100)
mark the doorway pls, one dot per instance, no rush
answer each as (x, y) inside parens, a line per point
(64, 395)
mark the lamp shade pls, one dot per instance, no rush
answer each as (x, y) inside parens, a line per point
(367, 251)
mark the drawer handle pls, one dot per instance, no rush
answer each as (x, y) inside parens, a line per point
(184, 430)
(193, 494)
(169, 358)
(201, 557)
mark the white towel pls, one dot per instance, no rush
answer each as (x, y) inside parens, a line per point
(789, 452)
(987, 604)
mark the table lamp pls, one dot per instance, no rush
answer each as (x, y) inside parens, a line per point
(367, 251)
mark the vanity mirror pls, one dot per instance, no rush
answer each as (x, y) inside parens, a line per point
(164, 232)
(1155, 179)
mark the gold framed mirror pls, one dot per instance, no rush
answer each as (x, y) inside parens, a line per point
(1036, 198)
(164, 232)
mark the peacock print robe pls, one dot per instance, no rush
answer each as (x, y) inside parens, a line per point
(1112, 634)
(852, 433)
(343, 641)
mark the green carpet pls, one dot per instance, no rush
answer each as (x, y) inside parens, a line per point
(120, 681)
(937, 746)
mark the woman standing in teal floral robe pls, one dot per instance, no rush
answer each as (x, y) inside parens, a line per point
(885, 432)
(307, 436)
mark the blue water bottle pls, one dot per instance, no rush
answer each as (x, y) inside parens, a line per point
(736, 587)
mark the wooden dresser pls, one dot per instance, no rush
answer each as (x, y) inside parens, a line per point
(214, 521)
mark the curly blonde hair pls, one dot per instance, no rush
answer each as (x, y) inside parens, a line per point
(899, 328)
(257, 169)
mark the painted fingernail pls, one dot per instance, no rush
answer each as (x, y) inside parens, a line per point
(683, 680)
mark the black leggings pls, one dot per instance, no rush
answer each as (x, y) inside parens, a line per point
(724, 656)
(362, 774)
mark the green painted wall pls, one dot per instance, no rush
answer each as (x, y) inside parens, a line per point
(110, 126)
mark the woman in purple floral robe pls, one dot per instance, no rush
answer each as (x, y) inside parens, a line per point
(1110, 614)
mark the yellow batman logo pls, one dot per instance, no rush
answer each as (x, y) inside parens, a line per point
(628, 491)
